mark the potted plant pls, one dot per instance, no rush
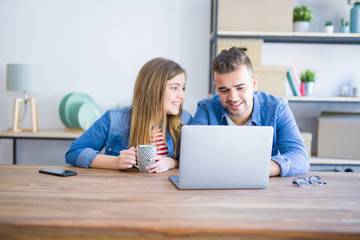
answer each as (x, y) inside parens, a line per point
(328, 28)
(354, 16)
(344, 26)
(307, 82)
(301, 18)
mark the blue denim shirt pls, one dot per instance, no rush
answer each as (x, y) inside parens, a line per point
(111, 131)
(288, 146)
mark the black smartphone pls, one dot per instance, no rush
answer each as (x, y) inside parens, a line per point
(58, 172)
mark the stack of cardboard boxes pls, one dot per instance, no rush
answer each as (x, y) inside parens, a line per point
(234, 17)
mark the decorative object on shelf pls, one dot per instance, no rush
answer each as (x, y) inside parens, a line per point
(78, 111)
(25, 78)
(344, 26)
(356, 91)
(344, 91)
(328, 28)
(354, 16)
(307, 82)
(294, 85)
(301, 18)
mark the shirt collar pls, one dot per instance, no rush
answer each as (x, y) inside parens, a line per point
(255, 116)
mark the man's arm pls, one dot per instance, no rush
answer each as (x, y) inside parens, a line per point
(274, 169)
(292, 157)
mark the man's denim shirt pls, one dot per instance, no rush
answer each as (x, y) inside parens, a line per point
(111, 131)
(288, 149)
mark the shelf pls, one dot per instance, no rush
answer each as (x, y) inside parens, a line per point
(294, 37)
(325, 99)
(333, 161)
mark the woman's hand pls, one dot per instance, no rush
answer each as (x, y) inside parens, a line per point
(162, 164)
(127, 158)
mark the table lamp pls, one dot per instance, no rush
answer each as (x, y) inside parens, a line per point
(25, 78)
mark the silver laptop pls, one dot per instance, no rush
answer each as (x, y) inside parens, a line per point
(224, 157)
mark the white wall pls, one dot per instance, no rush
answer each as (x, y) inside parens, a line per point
(97, 47)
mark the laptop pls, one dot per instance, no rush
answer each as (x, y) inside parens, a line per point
(224, 157)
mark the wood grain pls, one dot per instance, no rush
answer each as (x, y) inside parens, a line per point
(109, 204)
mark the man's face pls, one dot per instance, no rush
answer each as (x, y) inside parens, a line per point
(236, 91)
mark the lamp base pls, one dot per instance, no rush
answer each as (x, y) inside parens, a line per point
(17, 111)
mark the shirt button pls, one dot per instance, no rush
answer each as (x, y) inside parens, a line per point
(110, 149)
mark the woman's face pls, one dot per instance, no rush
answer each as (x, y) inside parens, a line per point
(174, 94)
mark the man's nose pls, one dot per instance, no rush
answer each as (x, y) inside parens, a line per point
(233, 95)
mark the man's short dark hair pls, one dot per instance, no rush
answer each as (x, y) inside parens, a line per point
(230, 60)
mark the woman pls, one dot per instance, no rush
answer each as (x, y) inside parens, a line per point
(155, 117)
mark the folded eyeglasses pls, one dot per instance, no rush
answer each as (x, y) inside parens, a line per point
(305, 182)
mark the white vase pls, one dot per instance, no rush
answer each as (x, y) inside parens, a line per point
(301, 26)
(329, 29)
(308, 89)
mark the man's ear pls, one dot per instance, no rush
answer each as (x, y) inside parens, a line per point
(255, 83)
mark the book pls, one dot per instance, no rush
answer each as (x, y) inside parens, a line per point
(294, 88)
(297, 83)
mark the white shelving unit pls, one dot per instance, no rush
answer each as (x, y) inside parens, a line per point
(325, 99)
(322, 103)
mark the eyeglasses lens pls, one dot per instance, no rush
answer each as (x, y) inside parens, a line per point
(316, 180)
(301, 182)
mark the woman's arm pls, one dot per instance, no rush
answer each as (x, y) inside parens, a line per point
(126, 159)
(162, 164)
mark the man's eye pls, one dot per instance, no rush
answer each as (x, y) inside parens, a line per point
(224, 90)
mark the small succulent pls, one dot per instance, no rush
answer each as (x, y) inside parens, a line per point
(307, 76)
(302, 13)
(328, 23)
(344, 23)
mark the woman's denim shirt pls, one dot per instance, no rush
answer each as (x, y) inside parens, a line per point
(112, 131)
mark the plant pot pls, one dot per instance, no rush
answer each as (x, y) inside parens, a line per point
(329, 29)
(301, 26)
(355, 19)
(308, 88)
(344, 29)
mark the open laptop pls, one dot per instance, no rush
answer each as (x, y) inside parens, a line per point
(224, 157)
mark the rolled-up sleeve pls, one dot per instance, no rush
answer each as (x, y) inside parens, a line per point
(292, 157)
(85, 148)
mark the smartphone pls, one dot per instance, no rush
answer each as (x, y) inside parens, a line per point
(58, 172)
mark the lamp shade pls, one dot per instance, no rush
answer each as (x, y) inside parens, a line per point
(24, 77)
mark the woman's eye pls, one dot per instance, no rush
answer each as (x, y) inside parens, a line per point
(173, 88)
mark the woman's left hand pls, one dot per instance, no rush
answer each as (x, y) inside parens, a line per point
(162, 164)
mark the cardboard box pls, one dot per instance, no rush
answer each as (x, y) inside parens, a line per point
(255, 15)
(338, 135)
(307, 141)
(252, 47)
(271, 79)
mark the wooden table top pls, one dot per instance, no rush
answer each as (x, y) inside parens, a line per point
(111, 204)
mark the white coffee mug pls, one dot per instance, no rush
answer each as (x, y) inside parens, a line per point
(144, 153)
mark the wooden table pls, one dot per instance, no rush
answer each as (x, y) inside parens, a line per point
(110, 204)
(40, 135)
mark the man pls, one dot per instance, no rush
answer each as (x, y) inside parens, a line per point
(238, 103)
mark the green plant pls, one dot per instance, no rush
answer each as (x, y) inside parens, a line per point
(302, 13)
(307, 76)
(344, 23)
(353, 2)
(328, 23)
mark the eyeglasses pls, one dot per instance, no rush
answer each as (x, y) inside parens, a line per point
(305, 182)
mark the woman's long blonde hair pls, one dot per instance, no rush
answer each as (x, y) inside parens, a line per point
(148, 113)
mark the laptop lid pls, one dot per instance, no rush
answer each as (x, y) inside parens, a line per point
(224, 157)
